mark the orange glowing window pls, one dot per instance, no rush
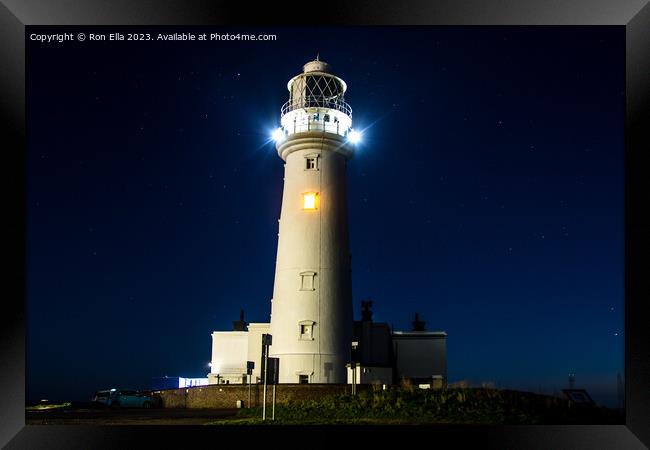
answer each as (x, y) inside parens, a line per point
(310, 200)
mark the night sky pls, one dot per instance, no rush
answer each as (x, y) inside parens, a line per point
(487, 195)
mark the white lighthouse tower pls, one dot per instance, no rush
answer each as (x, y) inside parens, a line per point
(311, 309)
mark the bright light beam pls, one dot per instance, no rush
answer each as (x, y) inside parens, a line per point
(354, 136)
(277, 135)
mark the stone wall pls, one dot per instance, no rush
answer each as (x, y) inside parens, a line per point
(226, 395)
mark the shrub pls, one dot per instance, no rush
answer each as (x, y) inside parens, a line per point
(406, 384)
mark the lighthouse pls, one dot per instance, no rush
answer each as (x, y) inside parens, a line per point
(311, 308)
(311, 327)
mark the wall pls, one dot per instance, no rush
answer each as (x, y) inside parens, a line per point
(229, 352)
(370, 375)
(226, 396)
(375, 343)
(420, 355)
(255, 331)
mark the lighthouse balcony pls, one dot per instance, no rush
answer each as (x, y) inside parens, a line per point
(317, 118)
(318, 101)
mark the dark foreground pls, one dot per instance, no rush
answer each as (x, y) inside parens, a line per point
(106, 416)
(398, 406)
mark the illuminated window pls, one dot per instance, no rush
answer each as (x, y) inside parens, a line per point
(310, 200)
(307, 281)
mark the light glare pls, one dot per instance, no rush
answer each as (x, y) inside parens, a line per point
(354, 136)
(277, 134)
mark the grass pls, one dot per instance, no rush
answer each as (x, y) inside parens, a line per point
(47, 406)
(440, 406)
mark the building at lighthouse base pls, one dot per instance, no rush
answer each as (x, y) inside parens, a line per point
(382, 355)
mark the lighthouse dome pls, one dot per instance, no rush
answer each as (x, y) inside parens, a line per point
(316, 66)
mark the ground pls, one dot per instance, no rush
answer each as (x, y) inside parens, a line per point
(107, 416)
(395, 406)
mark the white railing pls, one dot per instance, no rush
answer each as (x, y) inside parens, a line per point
(317, 102)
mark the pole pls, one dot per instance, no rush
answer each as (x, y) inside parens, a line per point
(266, 371)
(273, 413)
(249, 390)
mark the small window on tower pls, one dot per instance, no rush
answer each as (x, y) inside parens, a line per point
(306, 330)
(303, 379)
(311, 163)
(326, 118)
(307, 281)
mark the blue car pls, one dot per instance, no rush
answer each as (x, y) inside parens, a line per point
(123, 398)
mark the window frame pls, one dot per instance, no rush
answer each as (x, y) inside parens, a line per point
(307, 275)
(315, 157)
(307, 324)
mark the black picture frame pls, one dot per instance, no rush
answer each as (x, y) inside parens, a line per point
(634, 15)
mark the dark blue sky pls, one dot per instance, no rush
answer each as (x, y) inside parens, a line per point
(487, 195)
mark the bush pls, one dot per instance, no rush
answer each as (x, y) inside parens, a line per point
(406, 384)
(453, 405)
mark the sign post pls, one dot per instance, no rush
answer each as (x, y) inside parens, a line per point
(273, 373)
(267, 339)
(250, 365)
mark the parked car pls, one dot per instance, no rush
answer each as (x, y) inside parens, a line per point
(123, 398)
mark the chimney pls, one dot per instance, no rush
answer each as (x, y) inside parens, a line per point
(418, 325)
(241, 324)
(366, 311)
